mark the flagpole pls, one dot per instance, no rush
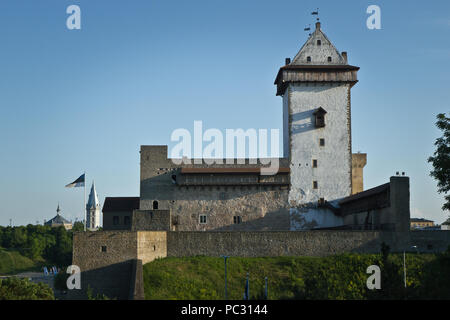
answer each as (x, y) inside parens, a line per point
(84, 208)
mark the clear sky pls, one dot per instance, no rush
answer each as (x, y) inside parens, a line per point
(85, 100)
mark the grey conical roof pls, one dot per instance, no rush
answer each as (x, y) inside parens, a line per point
(58, 219)
(93, 198)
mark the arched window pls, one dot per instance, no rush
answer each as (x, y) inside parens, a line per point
(319, 42)
(155, 205)
(308, 59)
(329, 59)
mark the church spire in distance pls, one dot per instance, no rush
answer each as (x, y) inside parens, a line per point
(93, 198)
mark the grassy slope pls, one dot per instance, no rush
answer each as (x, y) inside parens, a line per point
(12, 262)
(335, 277)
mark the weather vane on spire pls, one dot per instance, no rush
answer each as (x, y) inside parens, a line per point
(316, 13)
(308, 28)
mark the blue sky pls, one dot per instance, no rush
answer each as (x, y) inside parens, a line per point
(85, 100)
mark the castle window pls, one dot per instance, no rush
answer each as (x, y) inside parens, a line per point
(103, 248)
(314, 163)
(155, 205)
(319, 117)
(203, 219)
(126, 220)
(319, 42)
(322, 142)
(308, 59)
(115, 220)
(315, 185)
(329, 59)
(237, 219)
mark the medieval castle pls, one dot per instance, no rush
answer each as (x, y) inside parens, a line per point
(314, 205)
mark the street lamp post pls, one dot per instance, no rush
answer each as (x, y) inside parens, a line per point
(265, 291)
(404, 267)
(225, 261)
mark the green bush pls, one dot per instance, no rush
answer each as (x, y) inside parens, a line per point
(336, 277)
(23, 289)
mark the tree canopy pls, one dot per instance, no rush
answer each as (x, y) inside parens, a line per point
(39, 242)
(441, 159)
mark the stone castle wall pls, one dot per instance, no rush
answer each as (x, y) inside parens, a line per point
(273, 244)
(151, 220)
(115, 272)
(260, 207)
(110, 260)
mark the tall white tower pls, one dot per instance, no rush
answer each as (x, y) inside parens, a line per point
(93, 210)
(315, 88)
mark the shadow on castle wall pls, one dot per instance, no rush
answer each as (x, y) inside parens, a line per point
(121, 281)
(302, 122)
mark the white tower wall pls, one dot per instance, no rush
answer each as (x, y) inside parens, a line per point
(333, 172)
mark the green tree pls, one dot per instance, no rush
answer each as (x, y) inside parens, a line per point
(60, 251)
(19, 238)
(441, 159)
(78, 226)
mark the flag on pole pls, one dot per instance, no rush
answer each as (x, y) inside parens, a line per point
(77, 183)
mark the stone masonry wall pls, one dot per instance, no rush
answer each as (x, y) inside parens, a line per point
(260, 207)
(269, 244)
(108, 272)
(113, 272)
(151, 245)
(430, 241)
(151, 220)
(120, 246)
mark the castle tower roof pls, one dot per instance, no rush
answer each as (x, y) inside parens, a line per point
(318, 50)
(318, 61)
(93, 198)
